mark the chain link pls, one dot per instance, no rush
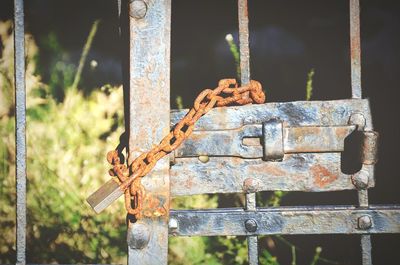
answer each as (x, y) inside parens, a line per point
(227, 93)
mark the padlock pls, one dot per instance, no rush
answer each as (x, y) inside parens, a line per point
(105, 195)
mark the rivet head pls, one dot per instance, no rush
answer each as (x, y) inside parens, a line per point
(364, 222)
(137, 9)
(250, 225)
(250, 185)
(173, 224)
(358, 120)
(204, 158)
(360, 180)
(138, 236)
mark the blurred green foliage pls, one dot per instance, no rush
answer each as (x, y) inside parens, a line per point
(66, 141)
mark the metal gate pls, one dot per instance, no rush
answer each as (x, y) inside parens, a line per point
(291, 146)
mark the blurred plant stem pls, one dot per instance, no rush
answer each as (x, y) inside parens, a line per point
(293, 255)
(179, 102)
(85, 52)
(235, 53)
(318, 251)
(309, 85)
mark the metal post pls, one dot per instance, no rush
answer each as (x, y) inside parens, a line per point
(355, 49)
(20, 123)
(149, 107)
(356, 92)
(245, 79)
(365, 239)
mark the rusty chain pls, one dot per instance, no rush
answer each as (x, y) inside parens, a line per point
(227, 93)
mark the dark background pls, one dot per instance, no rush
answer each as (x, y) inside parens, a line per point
(288, 38)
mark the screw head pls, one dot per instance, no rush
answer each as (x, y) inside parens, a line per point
(250, 225)
(364, 222)
(137, 9)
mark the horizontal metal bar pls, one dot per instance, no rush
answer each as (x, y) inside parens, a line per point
(296, 172)
(295, 140)
(288, 220)
(298, 113)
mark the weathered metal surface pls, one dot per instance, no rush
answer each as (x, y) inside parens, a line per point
(370, 148)
(366, 249)
(272, 140)
(244, 49)
(355, 49)
(137, 9)
(149, 122)
(298, 113)
(296, 172)
(272, 145)
(303, 172)
(251, 226)
(105, 195)
(287, 220)
(20, 131)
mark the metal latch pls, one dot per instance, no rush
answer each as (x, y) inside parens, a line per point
(269, 141)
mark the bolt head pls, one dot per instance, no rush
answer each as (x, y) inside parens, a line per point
(364, 222)
(138, 235)
(251, 225)
(357, 119)
(137, 9)
(360, 180)
(250, 185)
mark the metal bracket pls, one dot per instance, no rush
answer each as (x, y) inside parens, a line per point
(300, 151)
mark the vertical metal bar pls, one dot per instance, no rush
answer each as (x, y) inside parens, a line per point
(356, 92)
(244, 49)
(244, 42)
(365, 239)
(355, 49)
(252, 241)
(150, 23)
(20, 123)
(366, 249)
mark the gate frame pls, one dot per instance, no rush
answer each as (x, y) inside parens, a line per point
(149, 40)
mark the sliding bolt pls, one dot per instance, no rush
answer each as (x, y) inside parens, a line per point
(364, 222)
(250, 225)
(137, 9)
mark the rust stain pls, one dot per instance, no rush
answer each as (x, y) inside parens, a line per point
(341, 133)
(322, 176)
(269, 169)
(275, 171)
(189, 183)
